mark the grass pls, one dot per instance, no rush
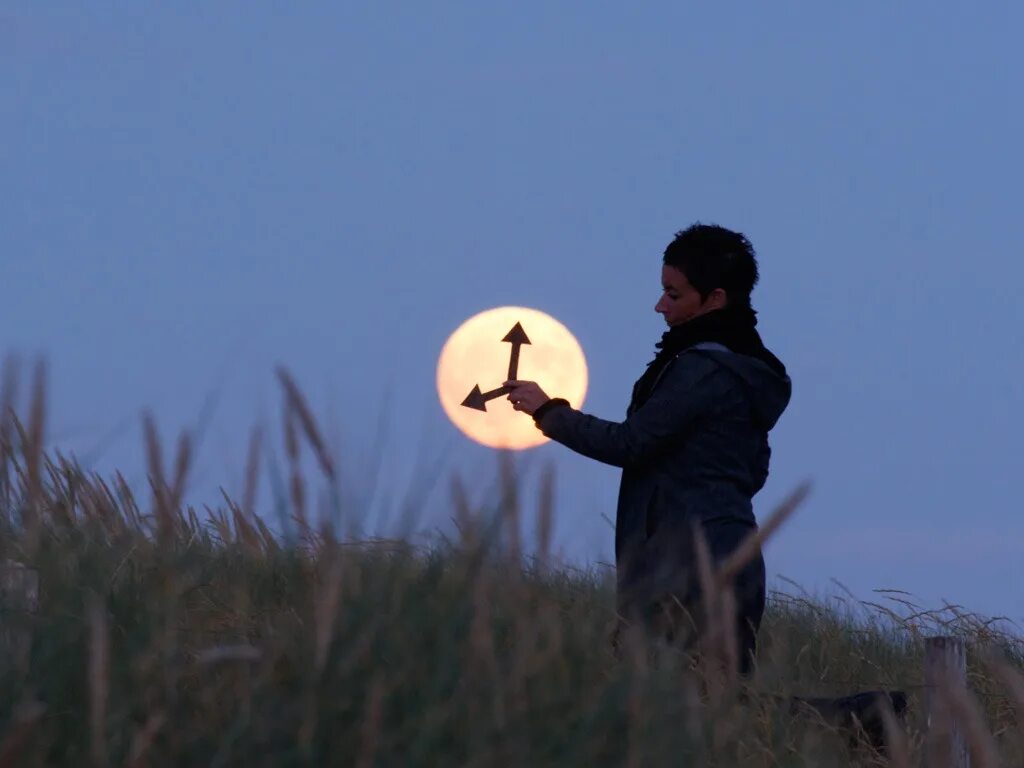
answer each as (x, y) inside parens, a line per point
(165, 637)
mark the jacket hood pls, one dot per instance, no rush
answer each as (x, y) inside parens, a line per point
(769, 389)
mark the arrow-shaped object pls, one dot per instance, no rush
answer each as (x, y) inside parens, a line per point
(477, 399)
(518, 337)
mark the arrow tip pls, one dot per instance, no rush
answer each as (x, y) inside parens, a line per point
(517, 335)
(475, 399)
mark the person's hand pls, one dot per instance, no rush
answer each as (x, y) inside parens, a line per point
(526, 396)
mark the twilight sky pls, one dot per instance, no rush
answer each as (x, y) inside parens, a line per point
(190, 197)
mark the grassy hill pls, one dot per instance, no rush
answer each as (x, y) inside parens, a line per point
(163, 637)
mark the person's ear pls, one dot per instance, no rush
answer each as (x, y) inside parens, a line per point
(717, 299)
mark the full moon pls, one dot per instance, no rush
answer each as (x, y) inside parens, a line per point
(477, 358)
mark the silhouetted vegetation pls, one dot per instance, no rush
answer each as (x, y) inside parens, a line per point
(168, 637)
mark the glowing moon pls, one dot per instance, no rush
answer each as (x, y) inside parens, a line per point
(476, 356)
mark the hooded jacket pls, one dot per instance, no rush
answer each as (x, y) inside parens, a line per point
(696, 450)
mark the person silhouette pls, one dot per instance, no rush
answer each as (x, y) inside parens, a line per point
(693, 448)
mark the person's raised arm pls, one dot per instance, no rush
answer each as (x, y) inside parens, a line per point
(689, 388)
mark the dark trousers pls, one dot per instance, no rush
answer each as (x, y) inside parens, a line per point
(663, 598)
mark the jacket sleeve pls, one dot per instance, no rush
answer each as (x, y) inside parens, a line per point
(690, 387)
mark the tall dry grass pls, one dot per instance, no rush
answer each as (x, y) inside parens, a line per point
(165, 636)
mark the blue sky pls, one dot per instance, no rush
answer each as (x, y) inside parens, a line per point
(189, 197)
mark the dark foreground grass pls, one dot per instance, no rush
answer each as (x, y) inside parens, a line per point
(162, 638)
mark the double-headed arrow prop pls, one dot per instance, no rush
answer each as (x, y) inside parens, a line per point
(477, 399)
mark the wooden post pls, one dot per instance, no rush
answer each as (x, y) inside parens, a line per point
(945, 666)
(19, 593)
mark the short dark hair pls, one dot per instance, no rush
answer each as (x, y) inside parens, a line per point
(715, 257)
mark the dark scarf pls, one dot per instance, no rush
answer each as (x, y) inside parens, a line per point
(733, 327)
